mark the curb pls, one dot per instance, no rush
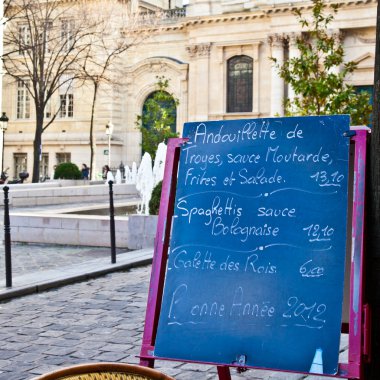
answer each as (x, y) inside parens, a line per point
(7, 294)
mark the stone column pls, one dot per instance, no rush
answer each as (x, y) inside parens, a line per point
(277, 83)
(199, 81)
(293, 53)
(256, 77)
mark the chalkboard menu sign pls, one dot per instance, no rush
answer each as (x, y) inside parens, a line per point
(256, 262)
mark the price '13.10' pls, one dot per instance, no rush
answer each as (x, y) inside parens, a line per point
(328, 179)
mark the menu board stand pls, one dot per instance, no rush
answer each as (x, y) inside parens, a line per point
(359, 312)
(161, 245)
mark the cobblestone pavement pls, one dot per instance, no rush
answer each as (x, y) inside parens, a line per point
(30, 258)
(97, 320)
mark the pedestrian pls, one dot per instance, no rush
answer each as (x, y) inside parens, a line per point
(85, 171)
(107, 174)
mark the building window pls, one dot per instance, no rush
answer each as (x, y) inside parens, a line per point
(66, 96)
(66, 104)
(63, 157)
(46, 35)
(368, 89)
(48, 109)
(159, 105)
(239, 84)
(23, 38)
(44, 166)
(159, 111)
(23, 100)
(20, 163)
(67, 34)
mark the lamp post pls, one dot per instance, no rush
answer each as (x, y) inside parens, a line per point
(109, 131)
(3, 126)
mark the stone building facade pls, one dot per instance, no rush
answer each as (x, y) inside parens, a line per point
(215, 54)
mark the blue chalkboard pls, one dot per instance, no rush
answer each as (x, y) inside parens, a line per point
(256, 263)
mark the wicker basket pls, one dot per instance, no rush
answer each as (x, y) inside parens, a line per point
(105, 371)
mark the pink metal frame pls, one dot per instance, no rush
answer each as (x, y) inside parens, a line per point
(160, 256)
(359, 324)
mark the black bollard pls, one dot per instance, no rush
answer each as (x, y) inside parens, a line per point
(112, 225)
(7, 240)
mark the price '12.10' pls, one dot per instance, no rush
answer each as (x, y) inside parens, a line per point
(315, 233)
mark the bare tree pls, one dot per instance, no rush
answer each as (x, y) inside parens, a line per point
(44, 51)
(119, 29)
(6, 6)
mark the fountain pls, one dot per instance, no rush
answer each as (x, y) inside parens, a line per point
(131, 174)
(148, 178)
(127, 174)
(134, 172)
(159, 163)
(118, 180)
(144, 183)
(62, 225)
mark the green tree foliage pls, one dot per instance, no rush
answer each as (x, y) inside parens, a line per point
(67, 170)
(318, 74)
(154, 203)
(158, 118)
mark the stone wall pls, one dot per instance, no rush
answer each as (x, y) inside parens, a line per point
(131, 232)
(20, 195)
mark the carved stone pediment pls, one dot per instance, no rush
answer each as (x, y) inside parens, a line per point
(199, 50)
(365, 61)
(157, 67)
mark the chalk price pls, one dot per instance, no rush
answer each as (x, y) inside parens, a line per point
(310, 270)
(316, 233)
(324, 178)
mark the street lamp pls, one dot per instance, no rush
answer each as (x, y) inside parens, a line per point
(3, 126)
(109, 131)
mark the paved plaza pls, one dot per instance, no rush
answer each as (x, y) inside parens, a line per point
(32, 258)
(96, 320)
(63, 309)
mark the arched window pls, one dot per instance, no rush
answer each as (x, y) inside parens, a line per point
(239, 84)
(159, 105)
(158, 120)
